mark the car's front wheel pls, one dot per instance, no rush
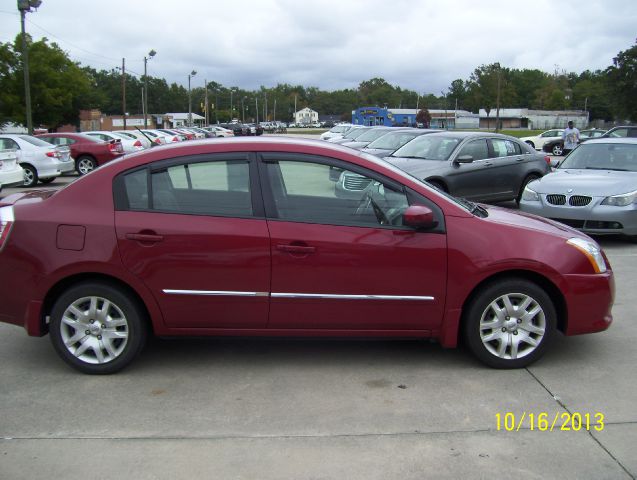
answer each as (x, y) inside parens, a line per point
(97, 328)
(557, 149)
(509, 323)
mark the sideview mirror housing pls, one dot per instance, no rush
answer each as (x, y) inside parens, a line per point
(464, 159)
(419, 216)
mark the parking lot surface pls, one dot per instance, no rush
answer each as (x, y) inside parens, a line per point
(274, 408)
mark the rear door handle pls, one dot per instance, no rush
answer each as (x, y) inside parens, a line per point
(144, 237)
(305, 249)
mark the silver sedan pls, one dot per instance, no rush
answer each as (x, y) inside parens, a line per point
(594, 189)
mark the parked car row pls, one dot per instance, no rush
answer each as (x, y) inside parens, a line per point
(556, 146)
(478, 166)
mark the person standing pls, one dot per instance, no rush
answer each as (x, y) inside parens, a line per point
(571, 138)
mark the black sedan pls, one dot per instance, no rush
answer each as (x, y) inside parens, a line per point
(556, 146)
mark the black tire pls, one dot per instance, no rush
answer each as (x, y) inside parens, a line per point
(557, 150)
(530, 143)
(527, 180)
(85, 334)
(85, 164)
(439, 185)
(47, 180)
(30, 176)
(537, 326)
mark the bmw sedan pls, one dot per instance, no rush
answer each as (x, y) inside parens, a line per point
(246, 237)
(484, 167)
(594, 189)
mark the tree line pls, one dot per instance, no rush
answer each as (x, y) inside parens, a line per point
(60, 88)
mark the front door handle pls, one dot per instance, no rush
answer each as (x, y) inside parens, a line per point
(304, 249)
(144, 237)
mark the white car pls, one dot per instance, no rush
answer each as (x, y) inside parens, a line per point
(134, 135)
(538, 141)
(220, 131)
(168, 137)
(336, 131)
(11, 173)
(39, 159)
(128, 144)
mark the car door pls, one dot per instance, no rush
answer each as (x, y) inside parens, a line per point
(467, 178)
(193, 230)
(336, 265)
(506, 170)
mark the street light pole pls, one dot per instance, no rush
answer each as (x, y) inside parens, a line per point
(190, 75)
(25, 6)
(243, 111)
(231, 105)
(151, 54)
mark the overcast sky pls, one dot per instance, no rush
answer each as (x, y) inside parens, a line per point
(420, 45)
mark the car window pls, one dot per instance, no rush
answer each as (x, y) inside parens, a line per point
(35, 141)
(504, 148)
(619, 133)
(218, 188)
(603, 156)
(320, 193)
(476, 149)
(428, 147)
(8, 143)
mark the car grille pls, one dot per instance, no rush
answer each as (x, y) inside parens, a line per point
(355, 182)
(573, 201)
(556, 199)
(579, 201)
(590, 224)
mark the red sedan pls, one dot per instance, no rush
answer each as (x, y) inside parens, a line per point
(88, 152)
(249, 237)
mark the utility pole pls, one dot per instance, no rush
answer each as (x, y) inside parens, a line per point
(205, 86)
(190, 75)
(151, 54)
(25, 6)
(497, 102)
(124, 91)
(274, 114)
(256, 107)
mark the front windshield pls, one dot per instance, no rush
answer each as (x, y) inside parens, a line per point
(355, 133)
(35, 141)
(393, 140)
(428, 147)
(373, 134)
(603, 156)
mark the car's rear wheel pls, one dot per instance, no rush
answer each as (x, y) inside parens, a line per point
(97, 328)
(30, 175)
(439, 185)
(527, 180)
(85, 164)
(530, 143)
(509, 323)
(557, 150)
(47, 180)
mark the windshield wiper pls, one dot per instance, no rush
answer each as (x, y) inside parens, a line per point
(473, 208)
(409, 156)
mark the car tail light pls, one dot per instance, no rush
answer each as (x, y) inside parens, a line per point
(53, 154)
(6, 222)
(547, 159)
(157, 141)
(138, 144)
(175, 138)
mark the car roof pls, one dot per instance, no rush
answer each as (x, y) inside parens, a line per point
(463, 135)
(629, 140)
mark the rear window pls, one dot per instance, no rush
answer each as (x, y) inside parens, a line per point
(34, 141)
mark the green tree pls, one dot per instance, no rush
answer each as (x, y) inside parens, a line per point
(622, 77)
(423, 116)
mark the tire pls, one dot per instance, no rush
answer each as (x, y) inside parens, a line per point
(85, 164)
(47, 180)
(492, 323)
(94, 337)
(30, 176)
(530, 143)
(557, 150)
(527, 180)
(438, 184)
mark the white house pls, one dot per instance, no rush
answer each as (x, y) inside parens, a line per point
(305, 116)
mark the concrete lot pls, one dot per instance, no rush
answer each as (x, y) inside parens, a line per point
(278, 409)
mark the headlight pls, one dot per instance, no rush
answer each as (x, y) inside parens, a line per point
(592, 252)
(621, 200)
(530, 195)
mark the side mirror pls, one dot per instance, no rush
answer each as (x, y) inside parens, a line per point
(419, 216)
(464, 159)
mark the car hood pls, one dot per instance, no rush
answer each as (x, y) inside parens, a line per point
(418, 167)
(519, 219)
(594, 183)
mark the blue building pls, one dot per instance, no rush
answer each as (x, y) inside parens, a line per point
(406, 117)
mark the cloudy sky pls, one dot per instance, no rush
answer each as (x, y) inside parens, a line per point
(421, 45)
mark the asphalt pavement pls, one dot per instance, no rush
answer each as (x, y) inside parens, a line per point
(318, 409)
